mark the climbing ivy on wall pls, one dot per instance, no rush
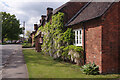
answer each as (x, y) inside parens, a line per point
(56, 37)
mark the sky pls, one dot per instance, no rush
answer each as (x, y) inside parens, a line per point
(29, 11)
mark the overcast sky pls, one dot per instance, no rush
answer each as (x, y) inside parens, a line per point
(29, 11)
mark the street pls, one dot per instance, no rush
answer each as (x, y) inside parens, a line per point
(13, 65)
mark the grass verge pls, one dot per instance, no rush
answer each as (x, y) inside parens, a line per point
(41, 66)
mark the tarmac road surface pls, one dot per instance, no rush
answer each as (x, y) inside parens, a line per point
(13, 64)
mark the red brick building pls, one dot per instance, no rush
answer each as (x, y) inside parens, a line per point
(97, 29)
(38, 37)
(32, 38)
(65, 8)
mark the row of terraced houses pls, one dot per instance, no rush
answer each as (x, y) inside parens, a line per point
(99, 26)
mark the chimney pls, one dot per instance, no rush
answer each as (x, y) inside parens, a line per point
(35, 27)
(43, 20)
(49, 14)
(49, 11)
(40, 21)
(43, 17)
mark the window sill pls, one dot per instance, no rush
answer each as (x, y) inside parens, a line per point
(78, 44)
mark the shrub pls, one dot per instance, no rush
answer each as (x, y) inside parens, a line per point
(90, 69)
(3, 43)
(25, 41)
(75, 53)
(26, 45)
(74, 48)
(34, 45)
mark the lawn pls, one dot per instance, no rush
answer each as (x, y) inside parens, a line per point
(41, 66)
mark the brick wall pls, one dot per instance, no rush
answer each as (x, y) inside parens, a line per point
(110, 40)
(93, 37)
(37, 44)
(102, 44)
(119, 36)
(93, 32)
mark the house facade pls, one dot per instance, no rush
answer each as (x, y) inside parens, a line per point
(65, 8)
(32, 38)
(38, 35)
(96, 26)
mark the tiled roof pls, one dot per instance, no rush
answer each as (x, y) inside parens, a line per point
(69, 9)
(93, 10)
(58, 9)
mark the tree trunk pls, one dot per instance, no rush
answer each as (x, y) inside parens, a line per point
(2, 40)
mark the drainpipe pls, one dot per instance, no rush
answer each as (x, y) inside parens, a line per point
(84, 45)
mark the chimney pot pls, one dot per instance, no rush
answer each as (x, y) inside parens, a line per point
(35, 27)
(49, 10)
(40, 21)
(43, 17)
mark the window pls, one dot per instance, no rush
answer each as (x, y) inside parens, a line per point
(78, 37)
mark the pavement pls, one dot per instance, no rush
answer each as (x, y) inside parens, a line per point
(13, 64)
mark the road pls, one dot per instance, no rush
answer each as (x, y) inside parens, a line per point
(12, 62)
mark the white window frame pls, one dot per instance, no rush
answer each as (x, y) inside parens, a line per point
(78, 37)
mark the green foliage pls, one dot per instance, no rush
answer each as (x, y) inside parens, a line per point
(67, 36)
(26, 45)
(90, 69)
(10, 26)
(28, 34)
(74, 48)
(34, 45)
(53, 35)
(57, 38)
(41, 66)
(39, 29)
(25, 41)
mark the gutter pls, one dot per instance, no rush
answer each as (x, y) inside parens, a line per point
(84, 46)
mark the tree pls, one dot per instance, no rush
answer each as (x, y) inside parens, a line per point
(10, 27)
